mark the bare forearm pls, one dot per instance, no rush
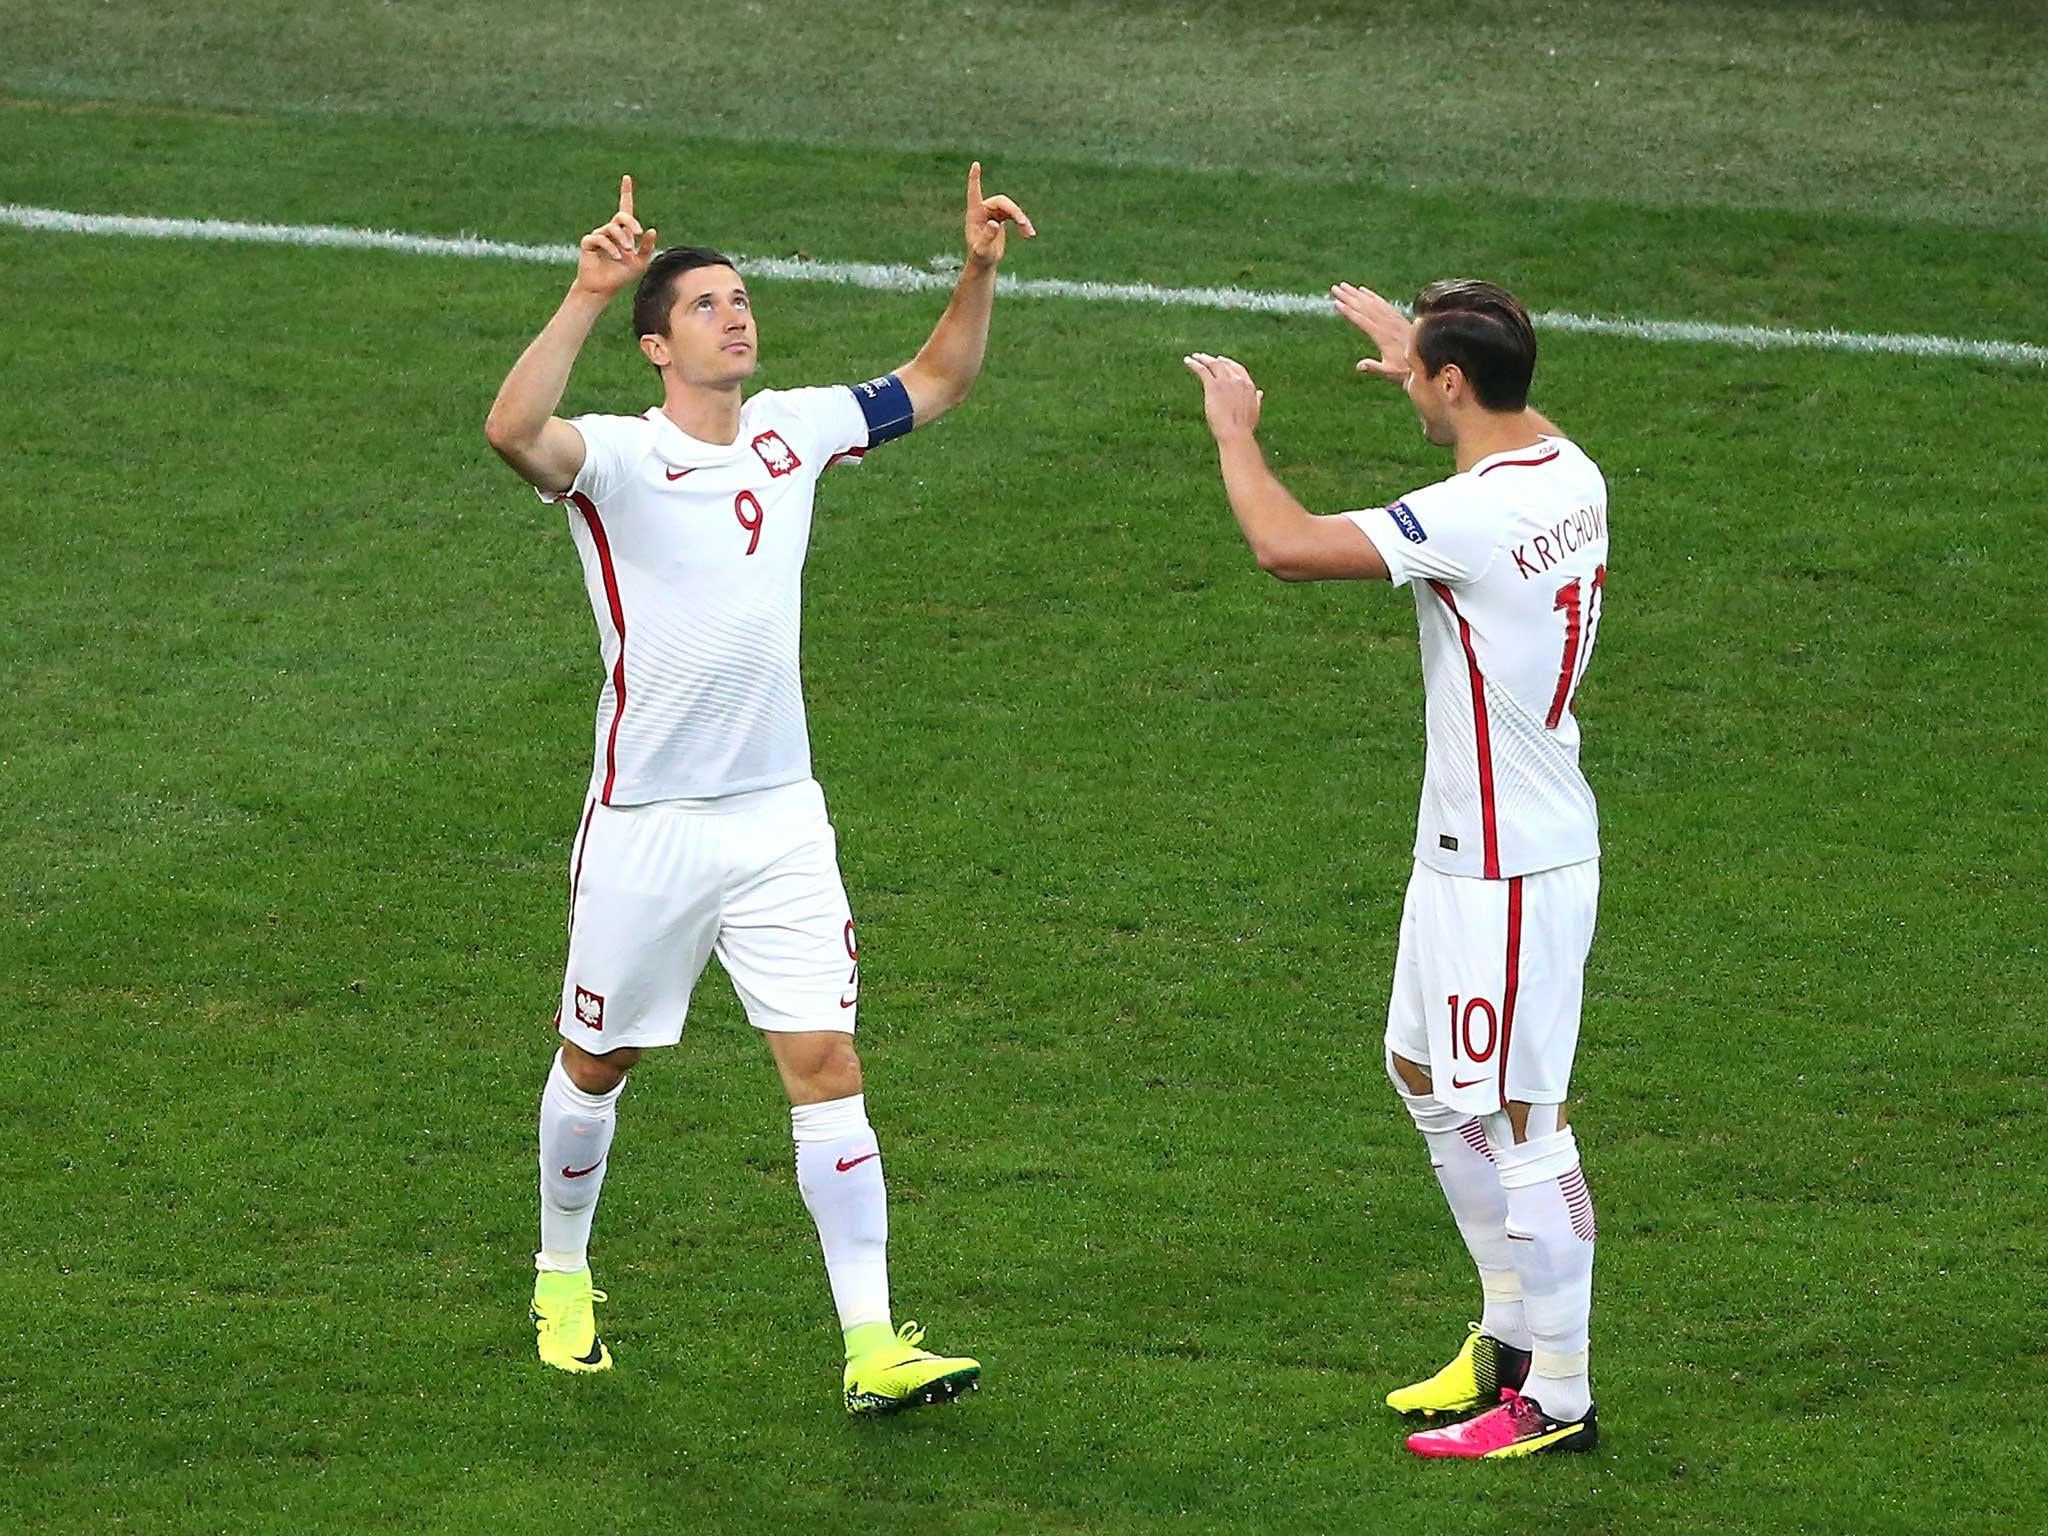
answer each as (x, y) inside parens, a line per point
(1266, 511)
(1285, 539)
(947, 365)
(532, 390)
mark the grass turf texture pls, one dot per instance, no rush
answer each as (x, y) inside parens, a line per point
(1931, 108)
(301, 687)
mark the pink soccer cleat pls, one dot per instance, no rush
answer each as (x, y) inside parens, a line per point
(1518, 1427)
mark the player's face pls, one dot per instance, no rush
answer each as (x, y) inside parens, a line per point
(711, 339)
(1428, 396)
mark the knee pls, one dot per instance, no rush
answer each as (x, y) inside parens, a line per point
(1549, 1151)
(1412, 1083)
(593, 1073)
(819, 1067)
(1410, 1079)
(1528, 1122)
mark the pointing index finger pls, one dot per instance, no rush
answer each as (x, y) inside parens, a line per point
(626, 195)
(974, 185)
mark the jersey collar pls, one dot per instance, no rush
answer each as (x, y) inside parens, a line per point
(1543, 451)
(682, 451)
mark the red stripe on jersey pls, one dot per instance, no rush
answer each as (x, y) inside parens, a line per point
(1513, 982)
(850, 456)
(1482, 736)
(1520, 463)
(611, 593)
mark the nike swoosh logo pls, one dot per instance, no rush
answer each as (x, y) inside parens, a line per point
(1537, 1442)
(844, 1166)
(848, 1002)
(1468, 1082)
(577, 1173)
(677, 474)
(596, 1355)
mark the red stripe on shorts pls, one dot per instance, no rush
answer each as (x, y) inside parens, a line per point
(576, 872)
(1514, 978)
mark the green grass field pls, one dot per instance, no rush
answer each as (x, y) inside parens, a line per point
(300, 683)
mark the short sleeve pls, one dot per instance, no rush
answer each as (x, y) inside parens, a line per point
(1433, 534)
(612, 445)
(828, 421)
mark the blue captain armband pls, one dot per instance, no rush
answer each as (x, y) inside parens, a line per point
(886, 405)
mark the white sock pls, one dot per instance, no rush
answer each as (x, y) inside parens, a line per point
(1550, 1223)
(1464, 1164)
(839, 1170)
(575, 1140)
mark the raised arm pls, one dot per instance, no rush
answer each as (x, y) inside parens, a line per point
(1286, 539)
(522, 426)
(946, 366)
(1391, 331)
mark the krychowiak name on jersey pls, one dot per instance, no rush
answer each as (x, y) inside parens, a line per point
(693, 556)
(1507, 560)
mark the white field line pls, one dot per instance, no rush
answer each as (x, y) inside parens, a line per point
(907, 279)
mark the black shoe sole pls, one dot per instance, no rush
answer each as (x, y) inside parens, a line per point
(930, 1395)
(1444, 1413)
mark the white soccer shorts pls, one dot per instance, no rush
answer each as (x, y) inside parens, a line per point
(1489, 981)
(655, 890)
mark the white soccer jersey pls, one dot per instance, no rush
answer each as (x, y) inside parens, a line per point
(1508, 561)
(693, 554)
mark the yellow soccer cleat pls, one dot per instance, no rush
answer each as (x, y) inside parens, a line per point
(566, 1321)
(899, 1375)
(1472, 1380)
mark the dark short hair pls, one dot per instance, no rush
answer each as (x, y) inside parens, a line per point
(656, 294)
(1484, 330)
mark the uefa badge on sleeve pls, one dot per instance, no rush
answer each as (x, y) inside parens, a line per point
(1410, 525)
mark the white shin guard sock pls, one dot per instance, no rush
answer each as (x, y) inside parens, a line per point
(575, 1140)
(839, 1170)
(1550, 1225)
(1464, 1165)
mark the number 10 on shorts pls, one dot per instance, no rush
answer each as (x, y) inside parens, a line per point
(1462, 1030)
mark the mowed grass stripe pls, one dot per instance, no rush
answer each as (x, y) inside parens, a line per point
(898, 278)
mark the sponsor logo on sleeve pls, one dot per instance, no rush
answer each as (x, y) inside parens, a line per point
(1406, 520)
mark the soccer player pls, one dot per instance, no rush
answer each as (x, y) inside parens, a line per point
(1507, 560)
(704, 831)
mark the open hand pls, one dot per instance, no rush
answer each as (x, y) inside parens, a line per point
(986, 217)
(617, 251)
(1230, 399)
(1381, 321)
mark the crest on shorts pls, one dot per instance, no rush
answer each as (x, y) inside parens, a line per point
(780, 458)
(589, 1009)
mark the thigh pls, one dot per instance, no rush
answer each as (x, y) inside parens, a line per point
(786, 934)
(1557, 914)
(643, 915)
(1407, 1012)
(1461, 939)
